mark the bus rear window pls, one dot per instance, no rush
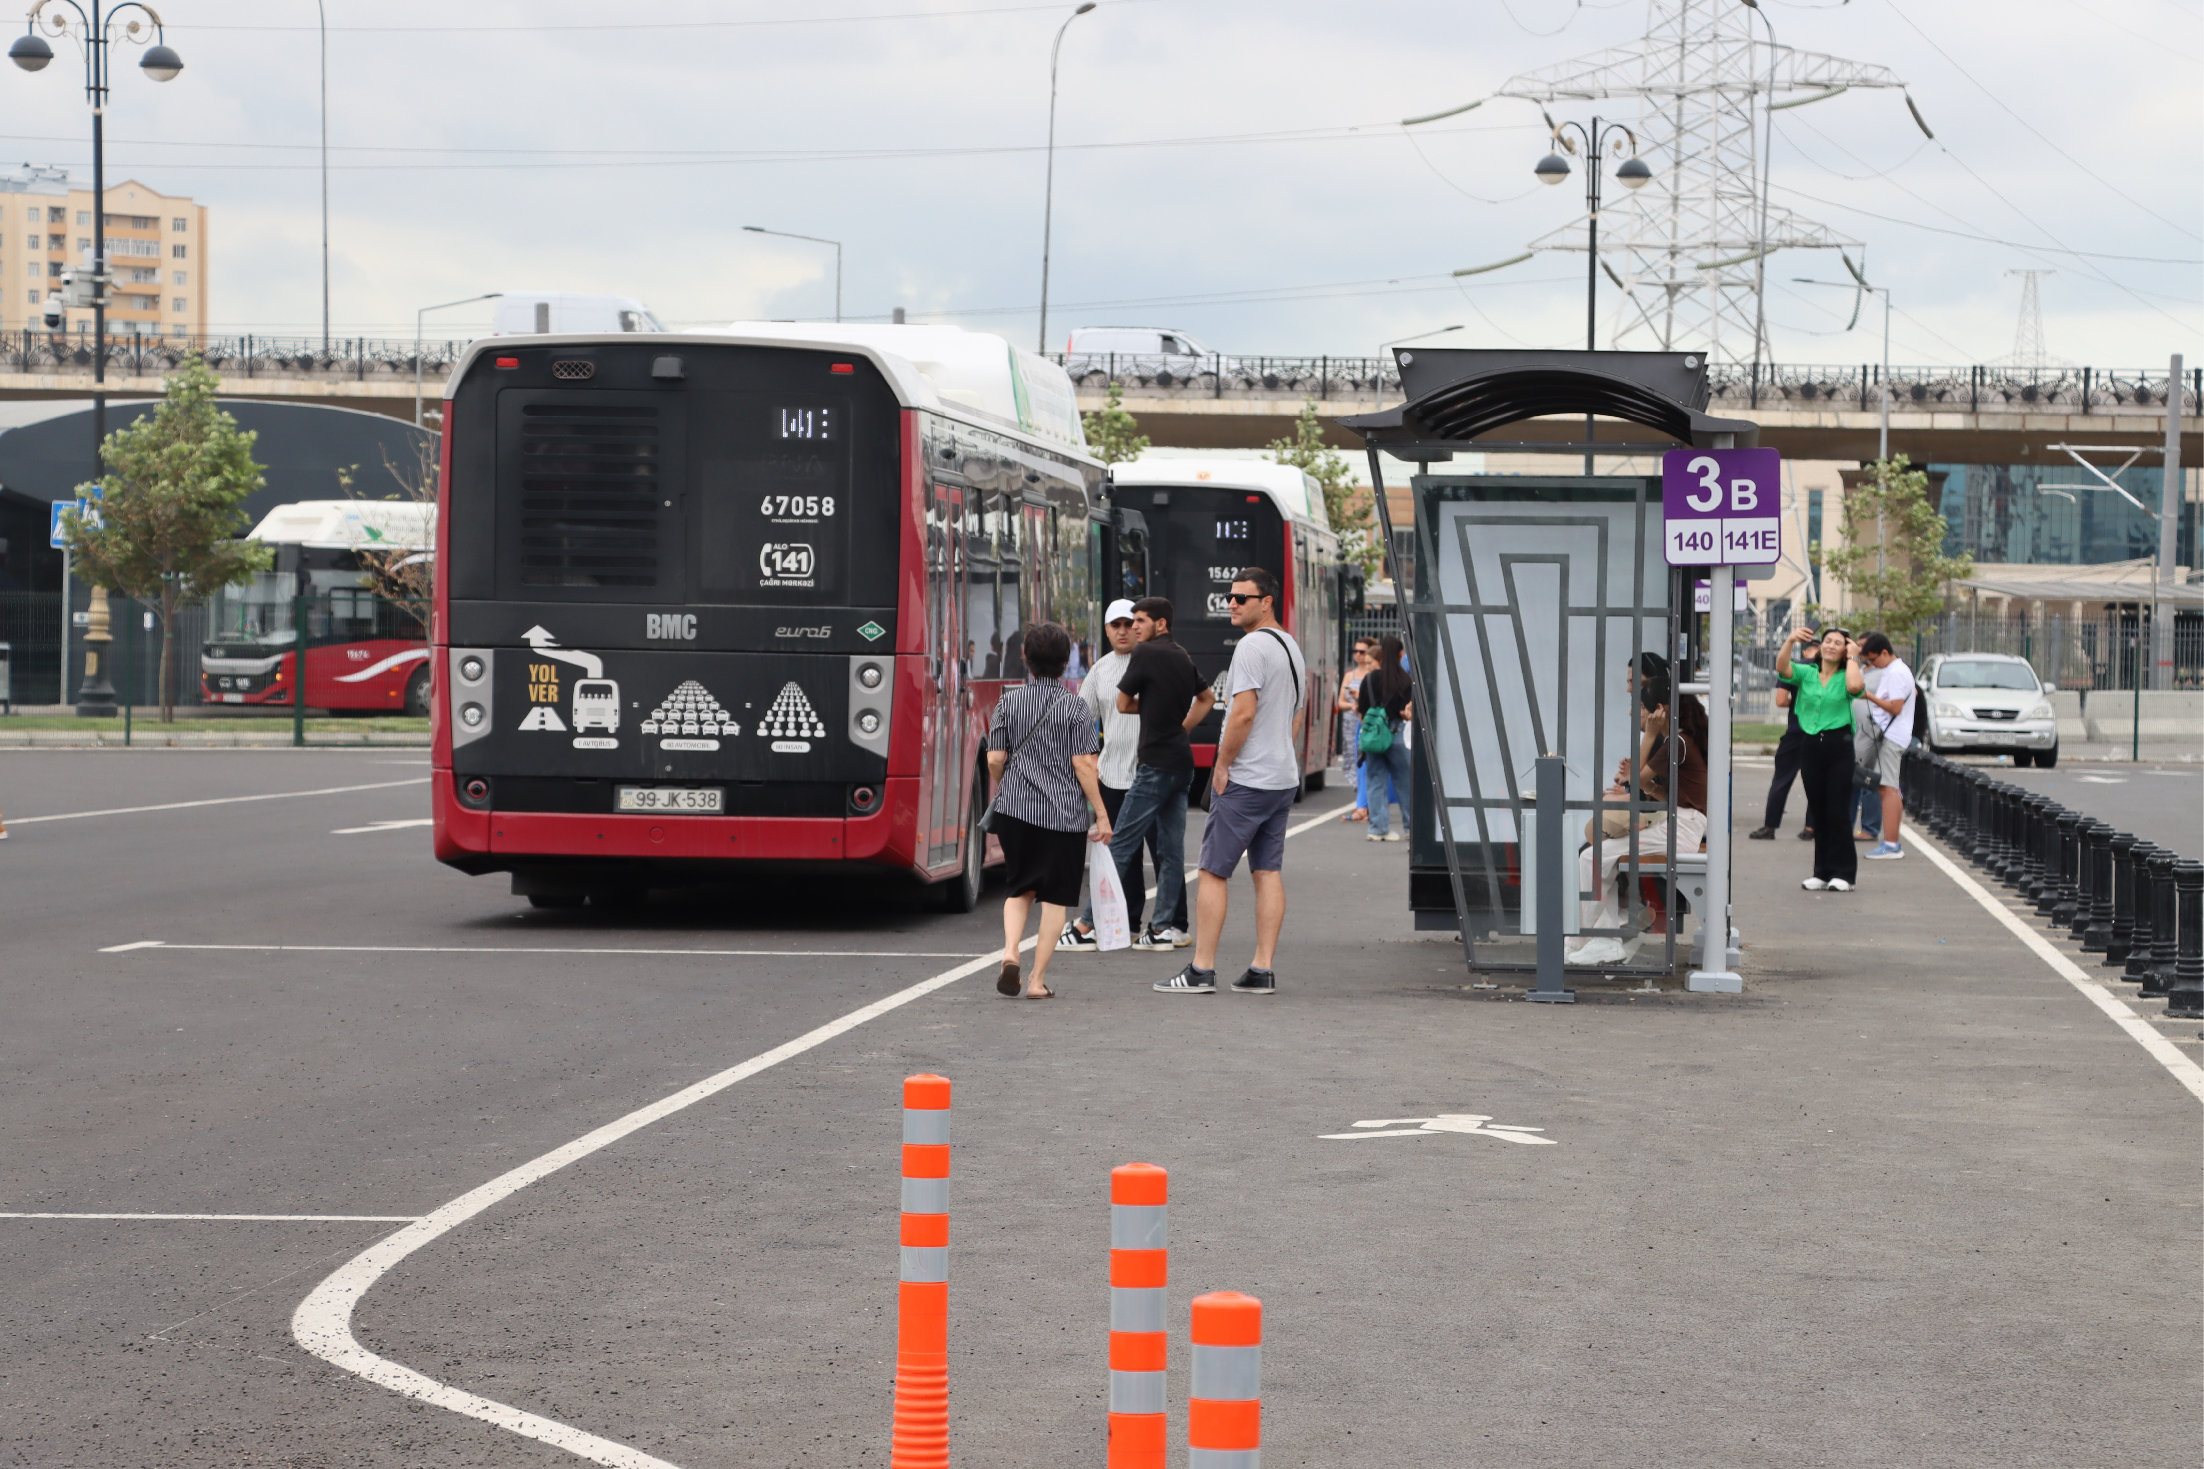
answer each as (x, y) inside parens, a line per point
(586, 492)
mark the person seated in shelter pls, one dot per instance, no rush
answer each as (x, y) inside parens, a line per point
(1598, 863)
(1617, 821)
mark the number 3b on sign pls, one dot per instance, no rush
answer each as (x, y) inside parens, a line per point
(1723, 507)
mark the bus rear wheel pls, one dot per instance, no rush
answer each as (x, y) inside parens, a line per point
(417, 693)
(961, 894)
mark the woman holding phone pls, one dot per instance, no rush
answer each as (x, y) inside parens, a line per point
(1822, 695)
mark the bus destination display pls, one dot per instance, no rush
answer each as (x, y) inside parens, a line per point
(814, 425)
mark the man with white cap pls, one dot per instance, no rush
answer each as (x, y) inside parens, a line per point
(1120, 745)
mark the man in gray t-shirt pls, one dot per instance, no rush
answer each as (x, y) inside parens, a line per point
(1253, 786)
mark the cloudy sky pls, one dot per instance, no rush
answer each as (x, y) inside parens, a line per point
(1233, 168)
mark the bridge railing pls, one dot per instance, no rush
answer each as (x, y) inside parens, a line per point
(1849, 387)
(247, 356)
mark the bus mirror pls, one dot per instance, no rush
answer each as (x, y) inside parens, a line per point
(1351, 589)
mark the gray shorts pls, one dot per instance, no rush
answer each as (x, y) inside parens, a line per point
(1887, 761)
(1246, 820)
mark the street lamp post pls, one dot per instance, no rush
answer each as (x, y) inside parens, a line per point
(1882, 442)
(1760, 246)
(94, 32)
(424, 311)
(759, 229)
(1633, 174)
(1048, 189)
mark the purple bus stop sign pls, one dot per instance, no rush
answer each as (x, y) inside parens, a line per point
(1724, 507)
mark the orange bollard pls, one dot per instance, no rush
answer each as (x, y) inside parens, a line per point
(1224, 1410)
(920, 1439)
(1139, 1270)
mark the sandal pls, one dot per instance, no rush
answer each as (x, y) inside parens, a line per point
(1007, 983)
(1043, 993)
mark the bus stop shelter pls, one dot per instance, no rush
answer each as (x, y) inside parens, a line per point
(1528, 602)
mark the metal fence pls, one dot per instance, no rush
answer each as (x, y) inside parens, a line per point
(247, 356)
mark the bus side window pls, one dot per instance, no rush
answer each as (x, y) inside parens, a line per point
(1010, 585)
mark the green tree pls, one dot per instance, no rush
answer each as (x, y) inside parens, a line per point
(1892, 560)
(1348, 508)
(172, 509)
(1112, 433)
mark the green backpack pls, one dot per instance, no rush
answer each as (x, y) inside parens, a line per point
(1377, 733)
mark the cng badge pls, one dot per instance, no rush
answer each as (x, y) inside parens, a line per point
(791, 723)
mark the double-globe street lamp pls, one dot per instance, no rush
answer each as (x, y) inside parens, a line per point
(94, 31)
(1632, 174)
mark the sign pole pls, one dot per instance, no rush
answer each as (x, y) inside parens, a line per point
(1714, 923)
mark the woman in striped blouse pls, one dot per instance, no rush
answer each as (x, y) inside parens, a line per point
(1042, 752)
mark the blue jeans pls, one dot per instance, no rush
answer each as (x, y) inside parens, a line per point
(1870, 805)
(1155, 804)
(1387, 766)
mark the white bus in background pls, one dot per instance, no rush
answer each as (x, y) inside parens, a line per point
(570, 313)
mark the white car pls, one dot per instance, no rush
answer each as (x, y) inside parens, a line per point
(1989, 704)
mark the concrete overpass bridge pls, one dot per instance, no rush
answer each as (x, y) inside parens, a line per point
(1977, 414)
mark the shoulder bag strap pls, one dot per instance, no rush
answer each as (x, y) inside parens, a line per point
(1298, 679)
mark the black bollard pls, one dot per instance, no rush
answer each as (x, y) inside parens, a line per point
(2121, 936)
(1978, 819)
(2096, 933)
(2035, 866)
(2164, 927)
(1938, 783)
(2065, 892)
(2086, 837)
(1993, 824)
(2185, 995)
(2008, 831)
(2139, 956)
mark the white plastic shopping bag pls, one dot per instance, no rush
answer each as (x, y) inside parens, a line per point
(1106, 892)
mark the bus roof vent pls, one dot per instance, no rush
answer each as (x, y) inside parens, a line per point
(573, 369)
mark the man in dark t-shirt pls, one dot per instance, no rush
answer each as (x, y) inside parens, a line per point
(1161, 686)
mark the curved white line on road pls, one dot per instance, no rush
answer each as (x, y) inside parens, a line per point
(323, 1322)
(2165, 1052)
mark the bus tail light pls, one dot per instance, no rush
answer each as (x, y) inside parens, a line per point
(474, 791)
(864, 800)
(470, 690)
(871, 699)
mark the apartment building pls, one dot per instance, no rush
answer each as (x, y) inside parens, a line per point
(156, 249)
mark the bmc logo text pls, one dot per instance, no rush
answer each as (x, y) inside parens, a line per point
(670, 625)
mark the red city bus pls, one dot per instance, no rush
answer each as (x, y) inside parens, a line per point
(744, 601)
(1204, 520)
(362, 651)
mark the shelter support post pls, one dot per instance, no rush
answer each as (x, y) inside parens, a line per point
(1554, 858)
(1717, 939)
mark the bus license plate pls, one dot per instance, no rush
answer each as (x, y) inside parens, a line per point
(690, 800)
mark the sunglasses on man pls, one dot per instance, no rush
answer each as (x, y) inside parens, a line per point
(1237, 598)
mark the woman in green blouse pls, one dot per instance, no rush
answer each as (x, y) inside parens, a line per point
(1823, 699)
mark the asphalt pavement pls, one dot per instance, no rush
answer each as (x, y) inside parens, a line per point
(2161, 803)
(1910, 1199)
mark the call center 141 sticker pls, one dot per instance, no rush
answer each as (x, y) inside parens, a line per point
(792, 564)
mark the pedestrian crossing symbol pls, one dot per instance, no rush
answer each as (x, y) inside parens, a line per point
(790, 722)
(689, 718)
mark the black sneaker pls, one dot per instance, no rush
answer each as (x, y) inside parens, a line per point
(1189, 981)
(1761, 834)
(1073, 938)
(1807, 835)
(1256, 982)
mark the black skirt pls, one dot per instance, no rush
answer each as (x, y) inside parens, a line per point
(1050, 864)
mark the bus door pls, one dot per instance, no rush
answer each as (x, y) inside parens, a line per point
(943, 792)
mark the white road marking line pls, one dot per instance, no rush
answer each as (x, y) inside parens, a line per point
(264, 1218)
(381, 785)
(322, 1324)
(345, 831)
(508, 949)
(2184, 1070)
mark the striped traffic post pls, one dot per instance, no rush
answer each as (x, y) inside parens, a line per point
(1224, 1411)
(920, 1439)
(1140, 1194)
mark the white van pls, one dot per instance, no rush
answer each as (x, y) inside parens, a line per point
(541, 313)
(1140, 351)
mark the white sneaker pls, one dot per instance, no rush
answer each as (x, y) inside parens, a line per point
(1392, 836)
(1372, 836)
(1813, 884)
(1153, 939)
(1598, 951)
(1839, 885)
(1071, 938)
